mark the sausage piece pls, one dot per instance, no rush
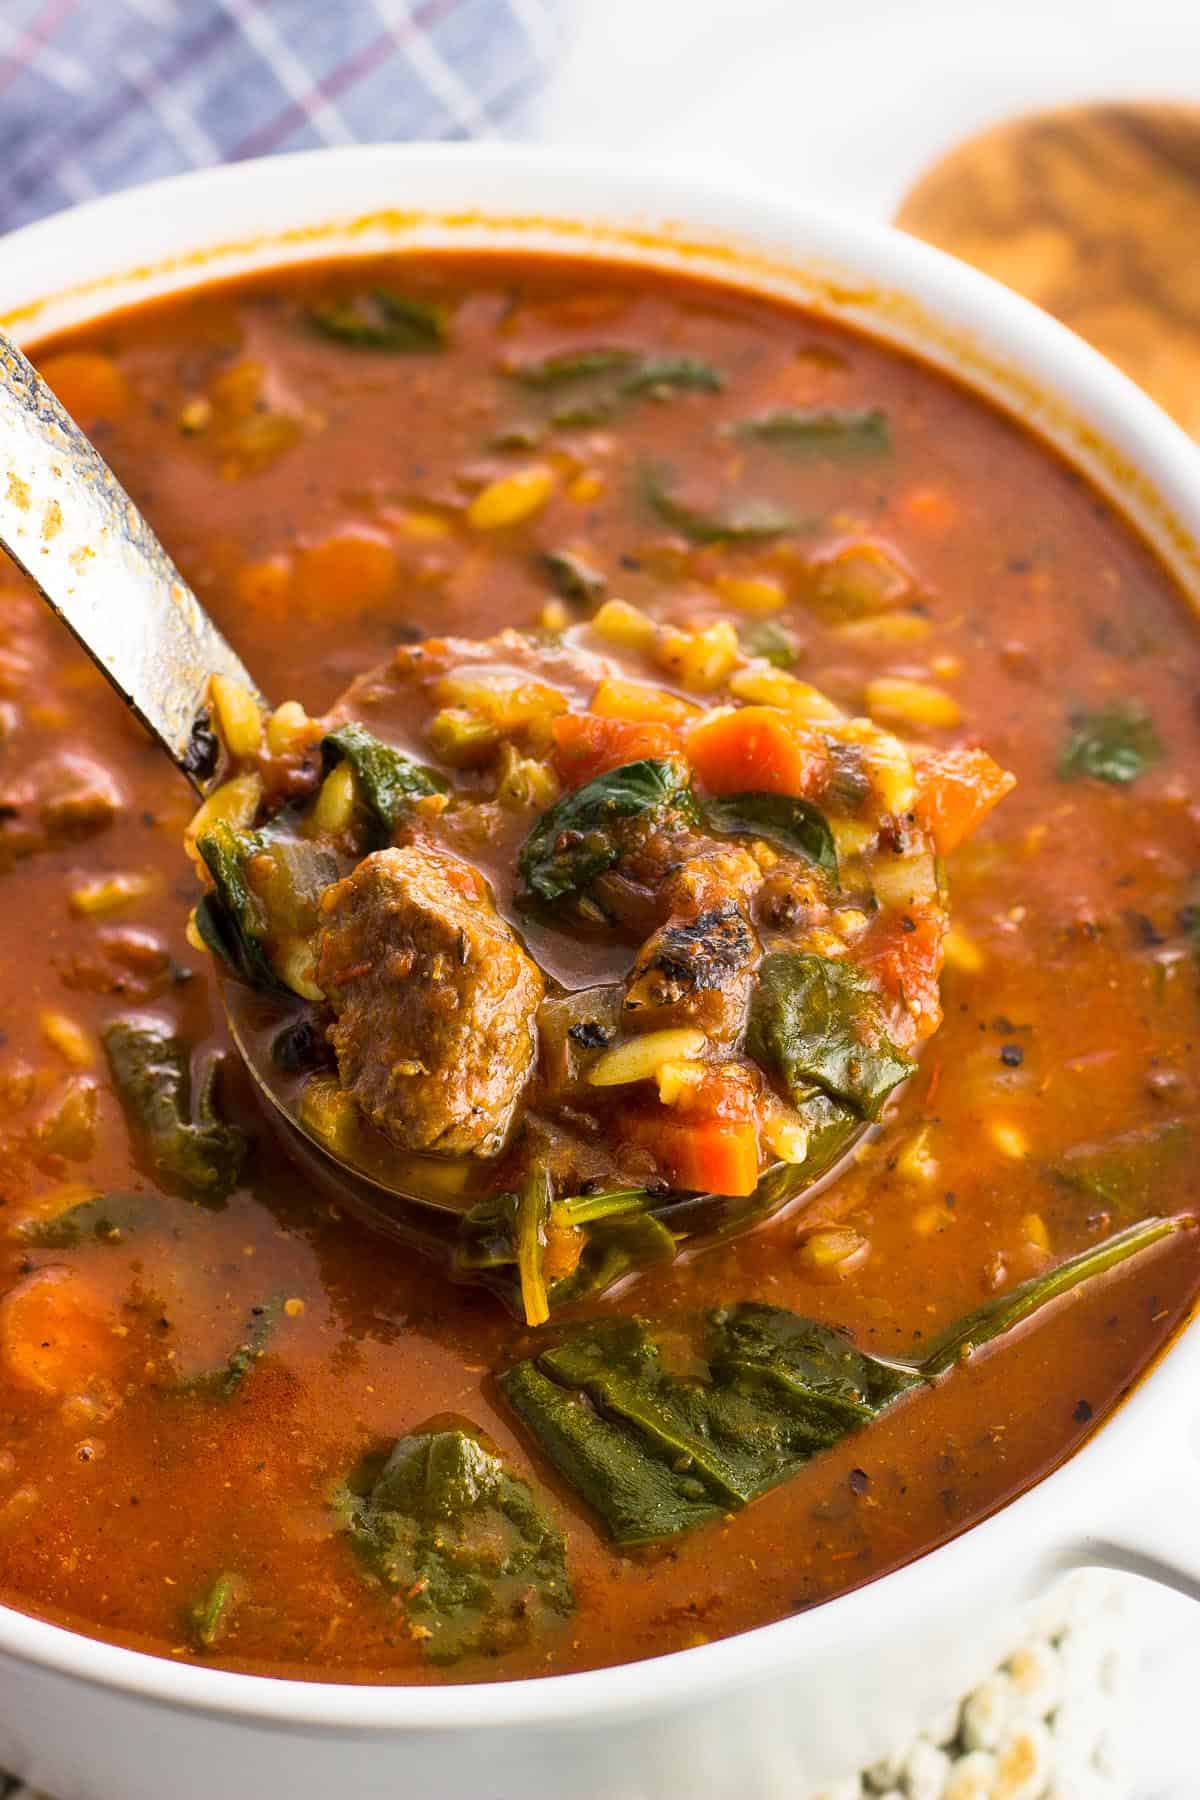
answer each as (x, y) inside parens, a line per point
(435, 1001)
(699, 966)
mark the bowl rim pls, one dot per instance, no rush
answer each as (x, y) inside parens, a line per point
(1156, 472)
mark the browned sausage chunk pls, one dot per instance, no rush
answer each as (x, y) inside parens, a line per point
(699, 966)
(435, 1001)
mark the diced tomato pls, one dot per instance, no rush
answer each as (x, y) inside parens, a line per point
(903, 950)
(617, 698)
(955, 790)
(585, 746)
(757, 747)
(705, 1155)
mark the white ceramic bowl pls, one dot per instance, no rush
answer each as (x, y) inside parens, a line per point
(776, 1712)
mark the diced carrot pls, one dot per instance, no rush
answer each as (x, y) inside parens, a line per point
(585, 746)
(638, 700)
(707, 1156)
(955, 790)
(353, 567)
(266, 585)
(90, 385)
(757, 747)
(931, 508)
(55, 1333)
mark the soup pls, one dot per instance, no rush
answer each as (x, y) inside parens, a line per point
(708, 746)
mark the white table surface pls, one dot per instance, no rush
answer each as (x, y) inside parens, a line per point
(845, 101)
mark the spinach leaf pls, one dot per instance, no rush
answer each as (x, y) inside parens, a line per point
(841, 436)
(388, 780)
(208, 1618)
(748, 521)
(614, 1247)
(774, 643)
(574, 578)
(580, 837)
(611, 1235)
(192, 1150)
(659, 375)
(634, 373)
(818, 1023)
(793, 825)
(230, 918)
(382, 320)
(591, 385)
(105, 1219)
(655, 1453)
(997, 1316)
(531, 1220)
(442, 1523)
(1116, 744)
(238, 924)
(567, 367)
(223, 1382)
(815, 1367)
(639, 1495)
(1124, 1176)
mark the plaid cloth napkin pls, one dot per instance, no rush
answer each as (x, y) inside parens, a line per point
(98, 94)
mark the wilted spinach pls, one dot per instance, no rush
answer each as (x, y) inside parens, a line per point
(208, 1618)
(223, 1382)
(230, 918)
(442, 1523)
(104, 1219)
(507, 1240)
(580, 837)
(567, 367)
(774, 642)
(1116, 744)
(839, 436)
(388, 780)
(655, 1453)
(233, 920)
(574, 578)
(816, 1023)
(382, 320)
(747, 521)
(589, 386)
(991, 1320)
(1125, 1175)
(192, 1150)
(796, 826)
(659, 375)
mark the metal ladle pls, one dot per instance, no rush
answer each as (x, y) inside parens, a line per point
(68, 523)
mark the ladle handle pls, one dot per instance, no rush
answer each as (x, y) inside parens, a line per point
(68, 523)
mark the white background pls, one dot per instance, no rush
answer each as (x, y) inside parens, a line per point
(844, 102)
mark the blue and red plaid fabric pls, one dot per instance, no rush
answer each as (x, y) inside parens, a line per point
(98, 94)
